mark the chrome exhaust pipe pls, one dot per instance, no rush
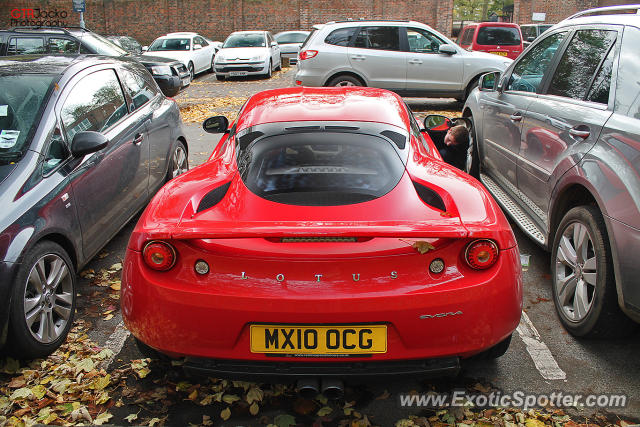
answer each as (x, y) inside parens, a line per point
(332, 389)
(307, 387)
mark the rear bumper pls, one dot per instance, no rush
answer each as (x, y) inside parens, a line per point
(458, 318)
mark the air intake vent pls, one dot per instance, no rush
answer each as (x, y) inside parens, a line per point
(317, 239)
(429, 196)
(213, 197)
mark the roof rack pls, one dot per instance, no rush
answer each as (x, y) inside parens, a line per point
(368, 20)
(607, 10)
(63, 30)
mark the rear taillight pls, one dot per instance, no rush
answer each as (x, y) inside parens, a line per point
(159, 256)
(307, 54)
(481, 254)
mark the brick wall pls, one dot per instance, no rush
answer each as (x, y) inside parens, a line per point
(555, 10)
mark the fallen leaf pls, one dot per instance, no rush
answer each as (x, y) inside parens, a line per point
(225, 414)
(131, 418)
(284, 420)
(325, 410)
(254, 409)
(102, 418)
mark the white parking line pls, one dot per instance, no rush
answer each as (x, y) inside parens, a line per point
(115, 342)
(538, 350)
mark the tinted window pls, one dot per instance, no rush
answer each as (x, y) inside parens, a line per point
(323, 168)
(599, 91)
(25, 45)
(627, 99)
(57, 45)
(528, 32)
(503, 36)
(170, 44)
(137, 88)
(290, 38)
(578, 65)
(95, 103)
(57, 152)
(340, 37)
(528, 72)
(382, 38)
(423, 41)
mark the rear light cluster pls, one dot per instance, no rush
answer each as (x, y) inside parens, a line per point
(159, 256)
(481, 254)
(307, 54)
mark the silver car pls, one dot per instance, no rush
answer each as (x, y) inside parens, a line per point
(557, 142)
(290, 42)
(248, 53)
(407, 57)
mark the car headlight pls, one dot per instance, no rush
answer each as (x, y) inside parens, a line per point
(161, 70)
(259, 58)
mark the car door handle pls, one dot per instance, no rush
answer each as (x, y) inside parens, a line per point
(584, 134)
(358, 57)
(138, 139)
(415, 61)
(516, 117)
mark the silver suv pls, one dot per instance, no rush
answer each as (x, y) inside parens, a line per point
(557, 142)
(407, 57)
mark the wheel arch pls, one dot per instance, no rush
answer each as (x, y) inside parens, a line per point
(345, 73)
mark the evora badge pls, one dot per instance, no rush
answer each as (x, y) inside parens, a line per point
(448, 313)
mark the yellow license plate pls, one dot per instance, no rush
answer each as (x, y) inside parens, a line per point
(499, 53)
(312, 339)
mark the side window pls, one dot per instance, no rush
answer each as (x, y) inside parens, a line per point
(56, 153)
(528, 72)
(25, 45)
(58, 45)
(627, 99)
(202, 42)
(528, 32)
(423, 41)
(599, 91)
(381, 38)
(467, 37)
(139, 90)
(340, 37)
(578, 65)
(95, 103)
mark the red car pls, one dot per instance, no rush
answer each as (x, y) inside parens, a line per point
(324, 236)
(499, 38)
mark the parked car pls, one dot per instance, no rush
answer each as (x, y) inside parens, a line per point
(499, 38)
(129, 44)
(407, 57)
(85, 142)
(290, 42)
(248, 53)
(324, 232)
(170, 75)
(530, 32)
(191, 49)
(557, 142)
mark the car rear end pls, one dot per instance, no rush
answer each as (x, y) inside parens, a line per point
(324, 53)
(498, 38)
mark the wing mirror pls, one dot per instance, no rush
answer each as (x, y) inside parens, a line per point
(489, 82)
(437, 122)
(216, 124)
(87, 142)
(447, 49)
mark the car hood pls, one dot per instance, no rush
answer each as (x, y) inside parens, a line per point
(149, 60)
(233, 53)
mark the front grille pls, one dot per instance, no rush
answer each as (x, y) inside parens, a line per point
(229, 69)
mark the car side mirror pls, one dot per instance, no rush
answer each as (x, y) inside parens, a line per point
(437, 122)
(447, 49)
(145, 48)
(216, 124)
(87, 142)
(197, 46)
(489, 82)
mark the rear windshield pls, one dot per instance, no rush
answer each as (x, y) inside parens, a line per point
(320, 167)
(503, 36)
(290, 38)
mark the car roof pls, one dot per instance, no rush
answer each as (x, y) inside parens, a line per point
(52, 64)
(361, 104)
(182, 33)
(493, 24)
(621, 19)
(249, 32)
(350, 22)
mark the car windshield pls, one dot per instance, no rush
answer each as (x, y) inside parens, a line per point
(170, 44)
(290, 38)
(22, 99)
(245, 40)
(503, 36)
(102, 46)
(319, 167)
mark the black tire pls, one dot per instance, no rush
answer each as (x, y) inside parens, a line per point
(219, 77)
(471, 86)
(269, 70)
(472, 165)
(51, 307)
(345, 81)
(212, 69)
(279, 67)
(178, 161)
(495, 351)
(191, 70)
(586, 309)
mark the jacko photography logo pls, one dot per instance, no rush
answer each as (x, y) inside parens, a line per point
(36, 17)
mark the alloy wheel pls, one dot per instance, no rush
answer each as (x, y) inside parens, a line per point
(48, 298)
(179, 161)
(576, 272)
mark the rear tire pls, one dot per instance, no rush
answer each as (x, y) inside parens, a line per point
(472, 165)
(191, 70)
(344, 81)
(43, 302)
(583, 282)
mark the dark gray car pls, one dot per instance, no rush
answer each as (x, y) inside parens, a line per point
(85, 141)
(557, 142)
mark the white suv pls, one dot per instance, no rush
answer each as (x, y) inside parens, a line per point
(407, 57)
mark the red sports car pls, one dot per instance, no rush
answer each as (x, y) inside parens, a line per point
(324, 236)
